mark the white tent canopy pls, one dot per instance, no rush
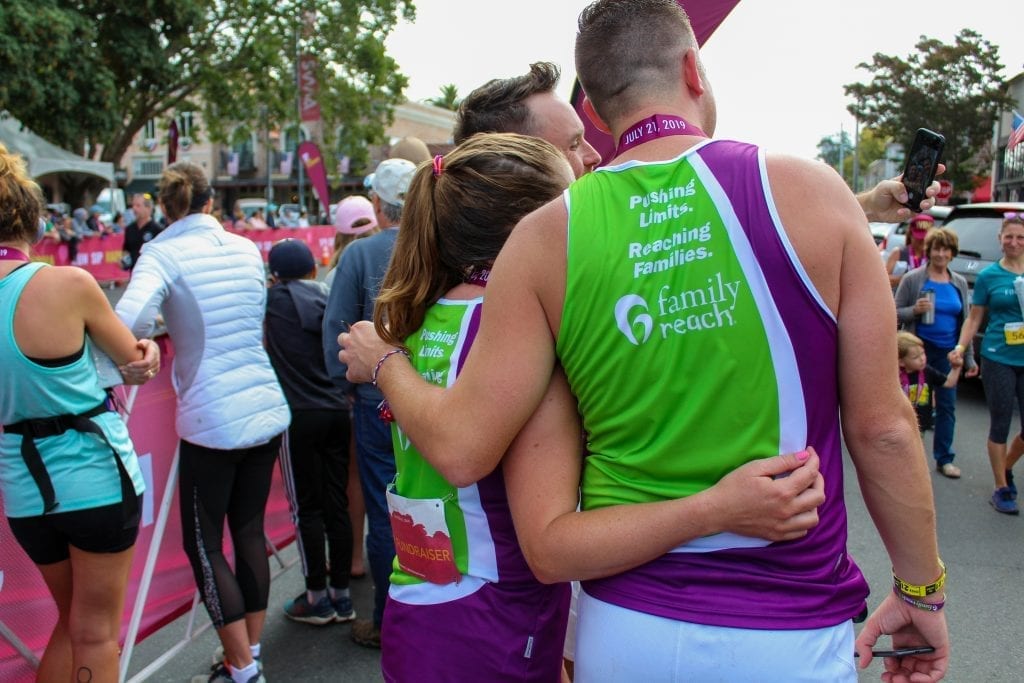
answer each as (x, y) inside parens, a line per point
(44, 157)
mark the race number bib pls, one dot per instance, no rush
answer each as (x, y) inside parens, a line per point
(1014, 333)
(423, 544)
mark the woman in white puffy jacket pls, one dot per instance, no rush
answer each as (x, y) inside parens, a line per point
(210, 287)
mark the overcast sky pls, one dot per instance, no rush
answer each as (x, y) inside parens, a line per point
(777, 68)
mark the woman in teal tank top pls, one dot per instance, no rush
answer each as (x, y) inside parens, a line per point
(69, 476)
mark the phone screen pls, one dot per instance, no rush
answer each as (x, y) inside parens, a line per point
(922, 162)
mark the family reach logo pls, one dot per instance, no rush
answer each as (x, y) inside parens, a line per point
(624, 309)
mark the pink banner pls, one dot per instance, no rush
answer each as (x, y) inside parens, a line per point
(320, 239)
(101, 256)
(308, 89)
(313, 162)
(26, 607)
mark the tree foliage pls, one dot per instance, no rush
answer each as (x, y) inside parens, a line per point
(89, 74)
(828, 148)
(869, 147)
(953, 89)
(448, 99)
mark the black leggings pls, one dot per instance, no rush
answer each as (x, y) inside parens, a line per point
(314, 465)
(1004, 391)
(214, 484)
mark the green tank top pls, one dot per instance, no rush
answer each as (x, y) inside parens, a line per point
(660, 278)
(436, 349)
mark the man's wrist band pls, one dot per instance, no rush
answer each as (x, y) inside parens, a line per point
(376, 368)
(916, 591)
(920, 604)
(959, 348)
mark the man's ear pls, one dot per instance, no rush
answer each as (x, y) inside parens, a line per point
(588, 109)
(691, 71)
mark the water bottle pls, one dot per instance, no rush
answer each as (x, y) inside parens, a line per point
(1018, 288)
(928, 317)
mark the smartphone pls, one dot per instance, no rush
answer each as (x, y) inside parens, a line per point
(901, 652)
(922, 162)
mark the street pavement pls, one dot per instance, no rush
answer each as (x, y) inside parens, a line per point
(983, 552)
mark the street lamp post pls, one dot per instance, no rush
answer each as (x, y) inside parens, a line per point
(856, 154)
(298, 132)
(269, 193)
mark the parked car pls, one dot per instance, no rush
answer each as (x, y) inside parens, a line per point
(977, 229)
(288, 215)
(883, 234)
(889, 236)
(250, 205)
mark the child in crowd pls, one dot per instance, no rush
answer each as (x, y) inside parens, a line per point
(315, 451)
(918, 378)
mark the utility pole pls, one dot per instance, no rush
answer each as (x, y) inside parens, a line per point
(298, 128)
(842, 148)
(856, 154)
(269, 194)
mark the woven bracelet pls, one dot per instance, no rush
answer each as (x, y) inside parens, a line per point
(920, 604)
(376, 368)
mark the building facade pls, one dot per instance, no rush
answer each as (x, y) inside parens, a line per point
(262, 163)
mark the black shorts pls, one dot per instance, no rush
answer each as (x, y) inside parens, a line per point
(46, 538)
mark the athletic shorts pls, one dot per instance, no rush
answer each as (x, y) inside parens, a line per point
(47, 538)
(615, 644)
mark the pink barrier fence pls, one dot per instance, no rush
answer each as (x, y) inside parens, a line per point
(26, 608)
(101, 256)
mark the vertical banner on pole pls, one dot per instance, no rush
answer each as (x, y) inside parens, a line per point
(172, 142)
(309, 108)
(313, 162)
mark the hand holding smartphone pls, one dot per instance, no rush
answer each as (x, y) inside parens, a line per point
(922, 163)
(901, 652)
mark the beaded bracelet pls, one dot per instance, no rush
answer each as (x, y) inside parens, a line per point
(376, 368)
(920, 604)
(916, 591)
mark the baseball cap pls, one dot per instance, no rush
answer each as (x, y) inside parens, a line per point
(391, 180)
(918, 219)
(411, 148)
(350, 211)
(290, 259)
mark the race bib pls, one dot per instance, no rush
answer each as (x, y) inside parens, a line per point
(1014, 333)
(423, 544)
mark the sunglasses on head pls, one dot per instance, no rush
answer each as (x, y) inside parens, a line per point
(1009, 215)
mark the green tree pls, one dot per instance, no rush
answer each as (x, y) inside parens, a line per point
(869, 147)
(89, 74)
(953, 89)
(828, 149)
(448, 99)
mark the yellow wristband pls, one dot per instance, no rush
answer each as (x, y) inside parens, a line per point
(959, 348)
(916, 591)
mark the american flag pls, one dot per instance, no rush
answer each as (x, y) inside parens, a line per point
(1017, 134)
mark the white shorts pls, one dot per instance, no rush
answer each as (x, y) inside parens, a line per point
(617, 644)
(569, 650)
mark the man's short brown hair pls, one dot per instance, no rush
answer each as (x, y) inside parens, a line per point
(498, 105)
